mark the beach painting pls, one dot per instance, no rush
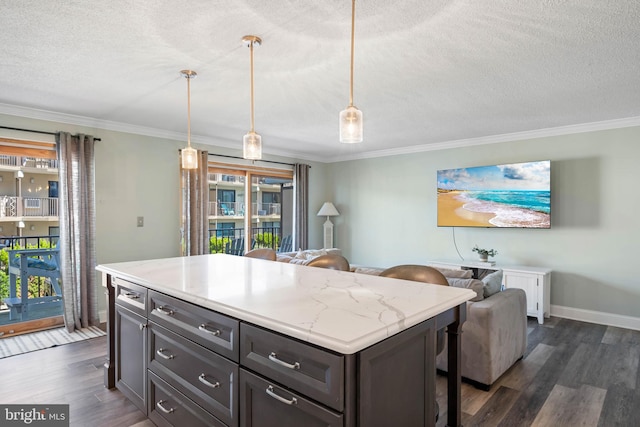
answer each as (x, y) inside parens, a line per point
(511, 195)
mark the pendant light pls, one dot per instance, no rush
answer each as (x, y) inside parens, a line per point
(252, 142)
(189, 155)
(351, 117)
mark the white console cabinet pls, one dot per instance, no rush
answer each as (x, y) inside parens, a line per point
(535, 281)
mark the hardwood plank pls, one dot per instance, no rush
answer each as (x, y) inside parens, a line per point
(571, 407)
(496, 408)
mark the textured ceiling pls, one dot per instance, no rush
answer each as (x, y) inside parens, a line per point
(426, 72)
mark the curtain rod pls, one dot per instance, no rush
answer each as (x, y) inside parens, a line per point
(37, 131)
(242, 158)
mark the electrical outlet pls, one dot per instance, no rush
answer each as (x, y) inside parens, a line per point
(140, 221)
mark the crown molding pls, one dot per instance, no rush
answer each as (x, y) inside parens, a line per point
(495, 139)
(71, 119)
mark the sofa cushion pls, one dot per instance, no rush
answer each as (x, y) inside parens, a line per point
(455, 273)
(374, 271)
(492, 283)
(474, 284)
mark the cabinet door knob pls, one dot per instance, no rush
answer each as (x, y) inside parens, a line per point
(162, 408)
(203, 379)
(160, 352)
(274, 358)
(142, 326)
(206, 328)
(273, 394)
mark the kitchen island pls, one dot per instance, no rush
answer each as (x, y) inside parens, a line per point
(227, 340)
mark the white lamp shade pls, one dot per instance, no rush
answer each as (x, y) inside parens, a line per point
(189, 158)
(252, 146)
(328, 210)
(351, 126)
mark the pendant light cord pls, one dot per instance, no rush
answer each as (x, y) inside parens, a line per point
(353, 25)
(252, 116)
(189, 111)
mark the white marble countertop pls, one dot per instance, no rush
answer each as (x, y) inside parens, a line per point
(340, 311)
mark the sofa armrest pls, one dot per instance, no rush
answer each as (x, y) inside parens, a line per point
(494, 336)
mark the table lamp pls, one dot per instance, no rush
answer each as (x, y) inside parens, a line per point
(328, 210)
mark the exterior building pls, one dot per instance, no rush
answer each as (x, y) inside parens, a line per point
(28, 196)
(227, 208)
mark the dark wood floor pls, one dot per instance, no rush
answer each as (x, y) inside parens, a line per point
(573, 374)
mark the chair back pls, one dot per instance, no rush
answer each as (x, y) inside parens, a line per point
(262, 253)
(417, 273)
(330, 261)
(420, 273)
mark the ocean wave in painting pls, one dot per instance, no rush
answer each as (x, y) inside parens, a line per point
(511, 208)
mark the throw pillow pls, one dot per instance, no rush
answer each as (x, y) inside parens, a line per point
(313, 253)
(492, 283)
(454, 273)
(474, 284)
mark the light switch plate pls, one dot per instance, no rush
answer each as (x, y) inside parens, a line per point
(140, 221)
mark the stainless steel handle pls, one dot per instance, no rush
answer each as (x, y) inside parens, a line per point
(166, 311)
(273, 394)
(202, 378)
(131, 295)
(142, 326)
(205, 328)
(274, 358)
(160, 352)
(162, 408)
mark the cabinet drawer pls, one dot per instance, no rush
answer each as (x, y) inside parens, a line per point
(168, 407)
(264, 404)
(212, 330)
(130, 295)
(309, 370)
(208, 379)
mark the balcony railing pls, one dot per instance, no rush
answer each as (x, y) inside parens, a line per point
(236, 209)
(12, 206)
(28, 162)
(231, 240)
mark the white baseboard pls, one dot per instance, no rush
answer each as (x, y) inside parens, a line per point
(609, 319)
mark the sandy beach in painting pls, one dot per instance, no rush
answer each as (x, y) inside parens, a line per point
(456, 208)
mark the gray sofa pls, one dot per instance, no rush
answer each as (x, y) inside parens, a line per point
(494, 336)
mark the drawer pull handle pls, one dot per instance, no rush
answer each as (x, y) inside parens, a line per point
(202, 378)
(162, 408)
(205, 328)
(274, 358)
(166, 311)
(273, 394)
(131, 295)
(160, 353)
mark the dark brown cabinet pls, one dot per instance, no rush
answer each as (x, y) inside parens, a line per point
(266, 404)
(131, 342)
(186, 365)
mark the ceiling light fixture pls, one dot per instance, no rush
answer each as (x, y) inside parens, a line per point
(351, 117)
(252, 142)
(189, 155)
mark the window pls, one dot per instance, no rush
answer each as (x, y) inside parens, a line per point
(232, 195)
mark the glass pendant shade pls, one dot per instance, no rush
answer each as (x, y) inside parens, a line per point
(351, 127)
(189, 158)
(252, 146)
(189, 155)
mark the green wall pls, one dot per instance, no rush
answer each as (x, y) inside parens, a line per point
(388, 214)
